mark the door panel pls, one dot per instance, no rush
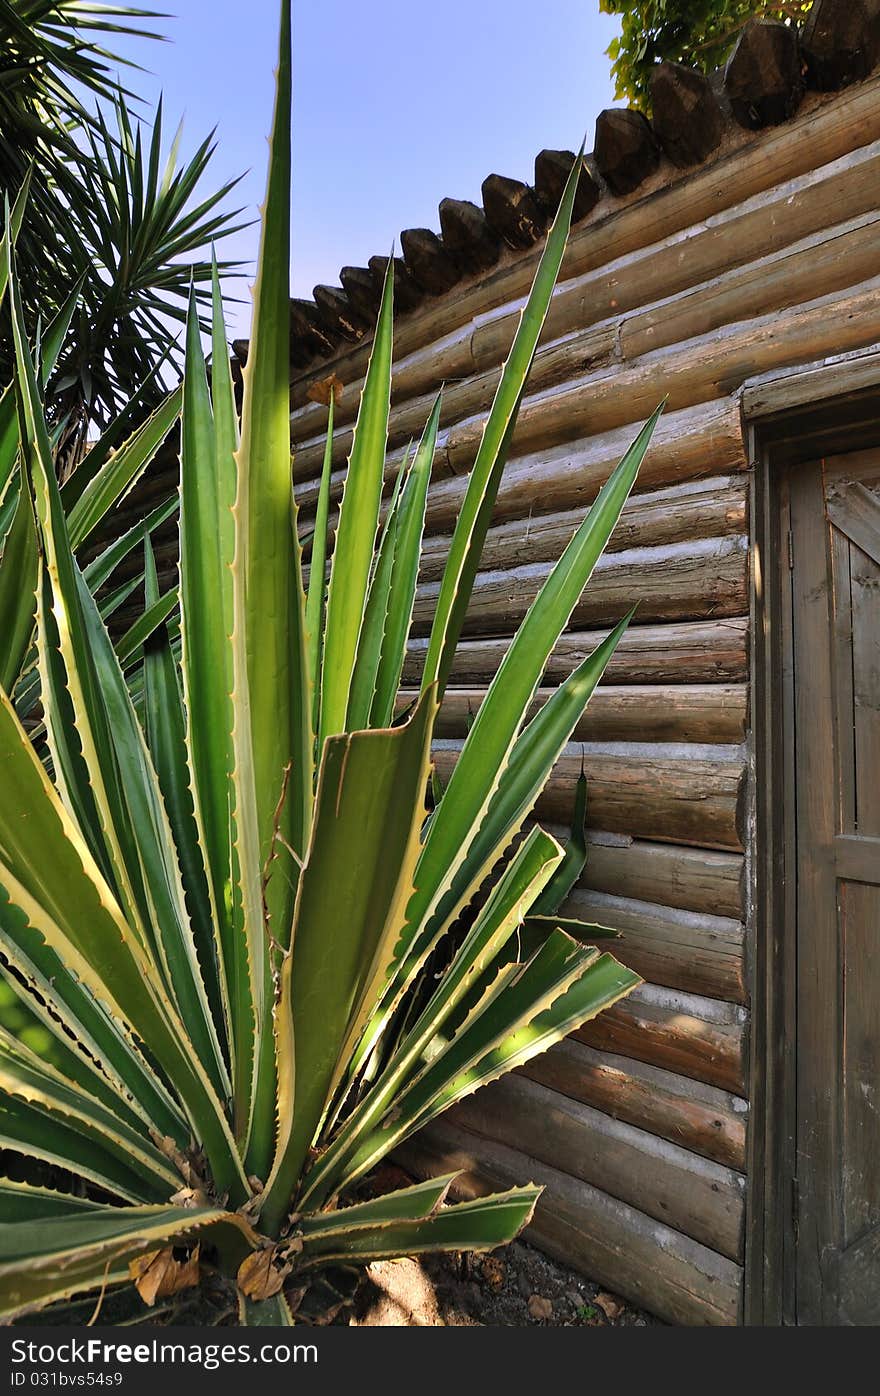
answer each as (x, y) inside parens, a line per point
(835, 561)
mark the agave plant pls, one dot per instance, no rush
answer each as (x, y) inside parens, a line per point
(222, 887)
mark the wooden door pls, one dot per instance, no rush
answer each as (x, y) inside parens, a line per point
(835, 572)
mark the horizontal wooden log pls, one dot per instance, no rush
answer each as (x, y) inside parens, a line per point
(468, 235)
(711, 508)
(609, 1241)
(709, 366)
(692, 878)
(685, 114)
(819, 136)
(676, 581)
(762, 76)
(690, 444)
(626, 149)
(552, 168)
(683, 1033)
(697, 951)
(700, 1118)
(697, 1196)
(840, 42)
(589, 397)
(659, 792)
(512, 210)
(841, 256)
(430, 264)
(693, 652)
(758, 229)
(672, 713)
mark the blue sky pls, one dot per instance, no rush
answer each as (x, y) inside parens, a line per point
(396, 104)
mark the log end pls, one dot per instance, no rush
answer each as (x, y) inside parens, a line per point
(338, 314)
(362, 291)
(513, 210)
(762, 76)
(552, 168)
(468, 234)
(627, 150)
(840, 42)
(687, 117)
(429, 263)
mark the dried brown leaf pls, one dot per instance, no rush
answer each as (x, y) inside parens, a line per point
(260, 1274)
(322, 390)
(159, 1274)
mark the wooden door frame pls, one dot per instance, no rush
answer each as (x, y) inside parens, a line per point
(777, 445)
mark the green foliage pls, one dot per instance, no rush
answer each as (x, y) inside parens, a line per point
(222, 882)
(109, 212)
(696, 32)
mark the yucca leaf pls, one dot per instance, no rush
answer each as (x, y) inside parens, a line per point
(26, 1077)
(369, 652)
(21, 1202)
(119, 472)
(154, 615)
(404, 577)
(18, 590)
(574, 859)
(485, 476)
(164, 725)
(480, 1225)
(317, 566)
(527, 873)
(102, 567)
(357, 879)
(404, 1204)
(559, 989)
(76, 1016)
(40, 1263)
(353, 550)
(264, 1313)
(274, 740)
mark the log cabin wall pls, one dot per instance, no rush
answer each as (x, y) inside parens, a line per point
(736, 236)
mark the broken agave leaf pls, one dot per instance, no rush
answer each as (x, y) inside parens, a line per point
(159, 1274)
(260, 1274)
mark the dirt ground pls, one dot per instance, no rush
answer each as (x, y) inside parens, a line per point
(513, 1287)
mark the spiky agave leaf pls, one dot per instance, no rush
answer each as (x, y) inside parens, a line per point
(228, 948)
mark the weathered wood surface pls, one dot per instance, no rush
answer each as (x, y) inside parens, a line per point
(587, 392)
(672, 713)
(762, 77)
(608, 1240)
(791, 212)
(840, 42)
(626, 149)
(676, 581)
(683, 1033)
(657, 792)
(695, 879)
(338, 314)
(820, 135)
(686, 117)
(552, 168)
(702, 509)
(468, 235)
(701, 1118)
(697, 951)
(686, 445)
(694, 1195)
(512, 210)
(692, 652)
(428, 261)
